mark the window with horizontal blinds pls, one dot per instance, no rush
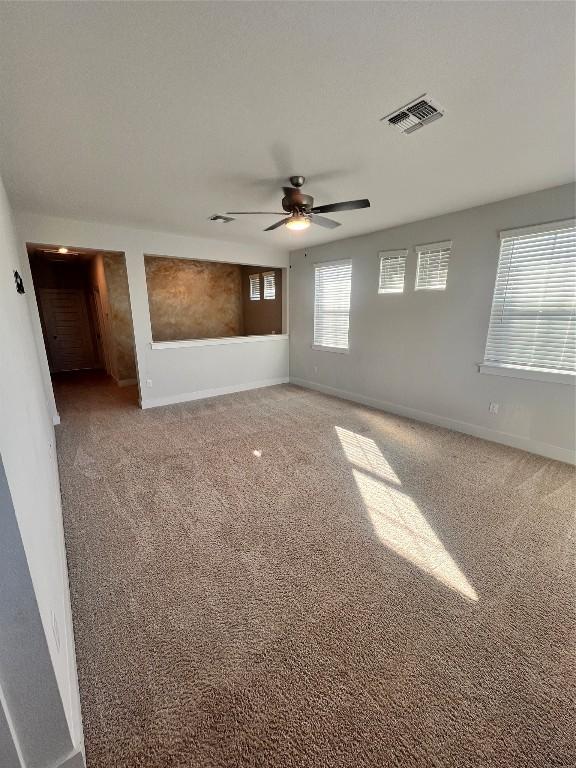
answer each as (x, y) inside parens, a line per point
(269, 285)
(255, 287)
(432, 270)
(533, 318)
(392, 269)
(332, 283)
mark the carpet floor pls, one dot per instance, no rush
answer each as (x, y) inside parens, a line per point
(281, 579)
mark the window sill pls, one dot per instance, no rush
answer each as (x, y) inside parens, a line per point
(430, 288)
(338, 350)
(217, 342)
(517, 372)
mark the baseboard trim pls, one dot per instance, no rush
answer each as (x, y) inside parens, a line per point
(505, 438)
(74, 761)
(202, 394)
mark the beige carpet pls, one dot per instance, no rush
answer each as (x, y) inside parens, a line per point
(280, 579)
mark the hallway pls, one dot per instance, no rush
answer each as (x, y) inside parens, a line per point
(91, 392)
(281, 579)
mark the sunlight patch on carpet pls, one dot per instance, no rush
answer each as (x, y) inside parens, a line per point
(364, 453)
(396, 518)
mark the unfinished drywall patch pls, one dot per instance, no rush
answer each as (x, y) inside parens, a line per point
(120, 316)
(192, 299)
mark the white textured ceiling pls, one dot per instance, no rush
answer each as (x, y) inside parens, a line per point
(160, 114)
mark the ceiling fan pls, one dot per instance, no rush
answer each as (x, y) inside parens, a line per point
(301, 209)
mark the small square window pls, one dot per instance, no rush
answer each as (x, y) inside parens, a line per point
(392, 269)
(432, 271)
(255, 287)
(269, 285)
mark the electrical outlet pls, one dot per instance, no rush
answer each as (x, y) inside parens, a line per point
(494, 407)
(148, 382)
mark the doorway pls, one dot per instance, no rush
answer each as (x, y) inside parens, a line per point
(70, 336)
(84, 307)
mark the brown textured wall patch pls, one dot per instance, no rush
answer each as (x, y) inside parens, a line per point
(192, 299)
(120, 315)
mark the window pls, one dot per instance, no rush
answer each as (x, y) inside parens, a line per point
(533, 318)
(332, 282)
(269, 285)
(432, 271)
(255, 287)
(392, 268)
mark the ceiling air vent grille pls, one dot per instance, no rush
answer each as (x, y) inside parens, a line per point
(414, 115)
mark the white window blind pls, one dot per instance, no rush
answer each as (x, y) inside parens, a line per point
(392, 269)
(533, 318)
(269, 285)
(255, 287)
(432, 271)
(332, 283)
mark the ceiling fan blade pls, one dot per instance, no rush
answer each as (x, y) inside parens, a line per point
(323, 221)
(348, 205)
(278, 224)
(255, 213)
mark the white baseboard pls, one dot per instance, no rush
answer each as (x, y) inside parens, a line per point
(505, 438)
(154, 402)
(74, 761)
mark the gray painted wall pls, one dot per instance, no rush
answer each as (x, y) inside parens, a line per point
(8, 749)
(416, 353)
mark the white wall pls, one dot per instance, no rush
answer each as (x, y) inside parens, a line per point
(186, 372)
(28, 454)
(417, 353)
(203, 371)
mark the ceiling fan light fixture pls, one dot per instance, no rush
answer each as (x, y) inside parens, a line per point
(299, 211)
(298, 222)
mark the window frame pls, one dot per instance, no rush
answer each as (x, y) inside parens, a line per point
(421, 249)
(516, 370)
(254, 279)
(399, 253)
(270, 274)
(324, 347)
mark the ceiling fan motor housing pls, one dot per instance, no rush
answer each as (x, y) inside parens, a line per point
(296, 200)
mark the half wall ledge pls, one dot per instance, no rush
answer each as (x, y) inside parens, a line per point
(216, 342)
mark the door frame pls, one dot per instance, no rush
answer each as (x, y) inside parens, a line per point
(30, 245)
